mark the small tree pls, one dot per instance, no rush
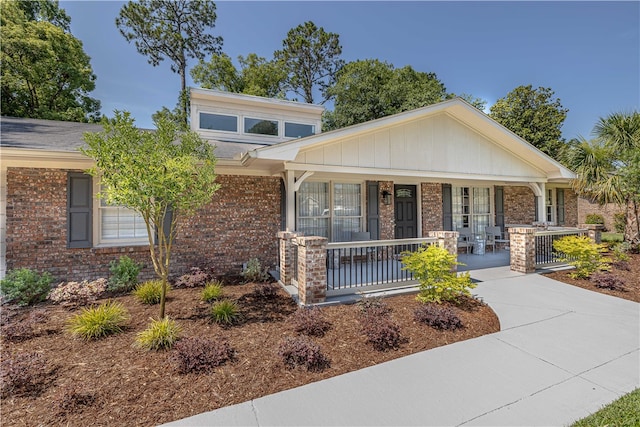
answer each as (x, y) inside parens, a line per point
(162, 175)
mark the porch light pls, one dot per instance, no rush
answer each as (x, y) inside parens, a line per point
(386, 197)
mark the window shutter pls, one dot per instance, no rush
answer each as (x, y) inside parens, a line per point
(560, 205)
(79, 210)
(373, 210)
(499, 203)
(447, 210)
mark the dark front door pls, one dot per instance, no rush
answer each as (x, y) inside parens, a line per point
(406, 211)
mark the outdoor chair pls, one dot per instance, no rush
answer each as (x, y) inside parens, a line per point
(465, 238)
(494, 236)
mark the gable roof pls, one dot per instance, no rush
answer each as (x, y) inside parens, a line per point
(484, 131)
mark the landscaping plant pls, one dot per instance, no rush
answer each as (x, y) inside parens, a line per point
(301, 351)
(594, 219)
(76, 294)
(195, 354)
(195, 277)
(225, 312)
(160, 335)
(582, 253)
(265, 290)
(608, 281)
(433, 267)
(253, 271)
(72, 399)
(438, 316)
(25, 286)
(212, 291)
(124, 274)
(97, 322)
(310, 321)
(150, 292)
(377, 325)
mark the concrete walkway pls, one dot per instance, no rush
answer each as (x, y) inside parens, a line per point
(561, 354)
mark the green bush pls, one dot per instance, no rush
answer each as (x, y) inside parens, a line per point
(124, 274)
(212, 291)
(253, 271)
(582, 253)
(150, 292)
(25, 286)
(433, 267)
(225, 311)
(594, 219)
(160, 335)
(97, 322)
(619, 222)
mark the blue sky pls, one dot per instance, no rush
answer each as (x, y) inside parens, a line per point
(588, 53)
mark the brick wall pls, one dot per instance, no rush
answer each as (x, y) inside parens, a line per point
(387, 213)
(519, 205)
(240, 223)
(431, 206)
(586, 207)
(570, 208)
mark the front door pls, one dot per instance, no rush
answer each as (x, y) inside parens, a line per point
(406, 211)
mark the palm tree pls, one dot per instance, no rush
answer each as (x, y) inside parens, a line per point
(608, 167)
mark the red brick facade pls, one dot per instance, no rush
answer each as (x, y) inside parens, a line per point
(608, 211)
(519, 205)
(431, 206)
(240, 223)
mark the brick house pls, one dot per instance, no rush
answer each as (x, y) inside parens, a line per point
(440, 167)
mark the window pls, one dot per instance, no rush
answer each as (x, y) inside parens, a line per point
(331, 210)
(297, 130)
(118, 224)
(471, 207)
(554, 205)
(261, 127)
(218, 122)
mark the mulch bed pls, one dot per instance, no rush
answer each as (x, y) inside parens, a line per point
(117, 384)
(629, 272)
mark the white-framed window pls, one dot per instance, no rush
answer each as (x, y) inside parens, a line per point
(117, 225)
(261, 126)
(219, 122)
(554, 206)
(298, 130)
(471, 207)
(330, 209)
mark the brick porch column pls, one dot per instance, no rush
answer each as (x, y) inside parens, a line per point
(522, 242)
(594, 231)
(312, 269)
(447, 240)
(286, 246)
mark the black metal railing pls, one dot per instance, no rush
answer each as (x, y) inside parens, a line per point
(545, 254)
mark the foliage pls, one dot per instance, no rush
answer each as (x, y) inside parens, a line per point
(438, 316)
(433, 267)
(45, 72)
(265, 290)
(373, 306)
(97, 322)
(160, 335)
(611, 237)
(311, 58)
(200, 354)
(124, 274)
(173, 29)
(381, 331)
(582, 253)
(370, 89)
(72, 399)
(608, 281)
(310, 321)
(25, 286)
(195, 277)
(24, 374)
(594, 218)
(212, 291)
(226, 312)
(162, 175)
(621, 412)
(150, 292)
(253, 271)
(257, 76)
(78, 293)
(533, 115)
(301, 351)
(619, 222)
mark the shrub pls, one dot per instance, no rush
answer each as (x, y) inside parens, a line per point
(212, 291)
(594, 218)
(437, 316)
(608, 281)
(381, 331)
(150, 292)
(24, 374)
(253, 272)
(310, 321)
(25, 286)
(200, 354)
(97, 322)
(74, 293)
(619, 222)
(194, 278)
(124, 274)
(265, 290)
(71, 399)
(433, 267)
(301, 351)
(582, 253)
(160, 335)
(225, 312)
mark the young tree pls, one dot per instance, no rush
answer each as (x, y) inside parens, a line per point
(163, 175)
(533, 115)
(173, 29)
(311, 58)
(45, 72)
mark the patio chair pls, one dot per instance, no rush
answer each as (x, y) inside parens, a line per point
(465, 238)
(494, 235)
(363, 236)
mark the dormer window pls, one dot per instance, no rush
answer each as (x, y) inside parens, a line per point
(221, 122)
(261, 127)
(298, 130)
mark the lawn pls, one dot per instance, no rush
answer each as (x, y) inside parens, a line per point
(110, 382)
(624, 412)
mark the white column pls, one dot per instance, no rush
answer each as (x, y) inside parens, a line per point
(290, 203)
